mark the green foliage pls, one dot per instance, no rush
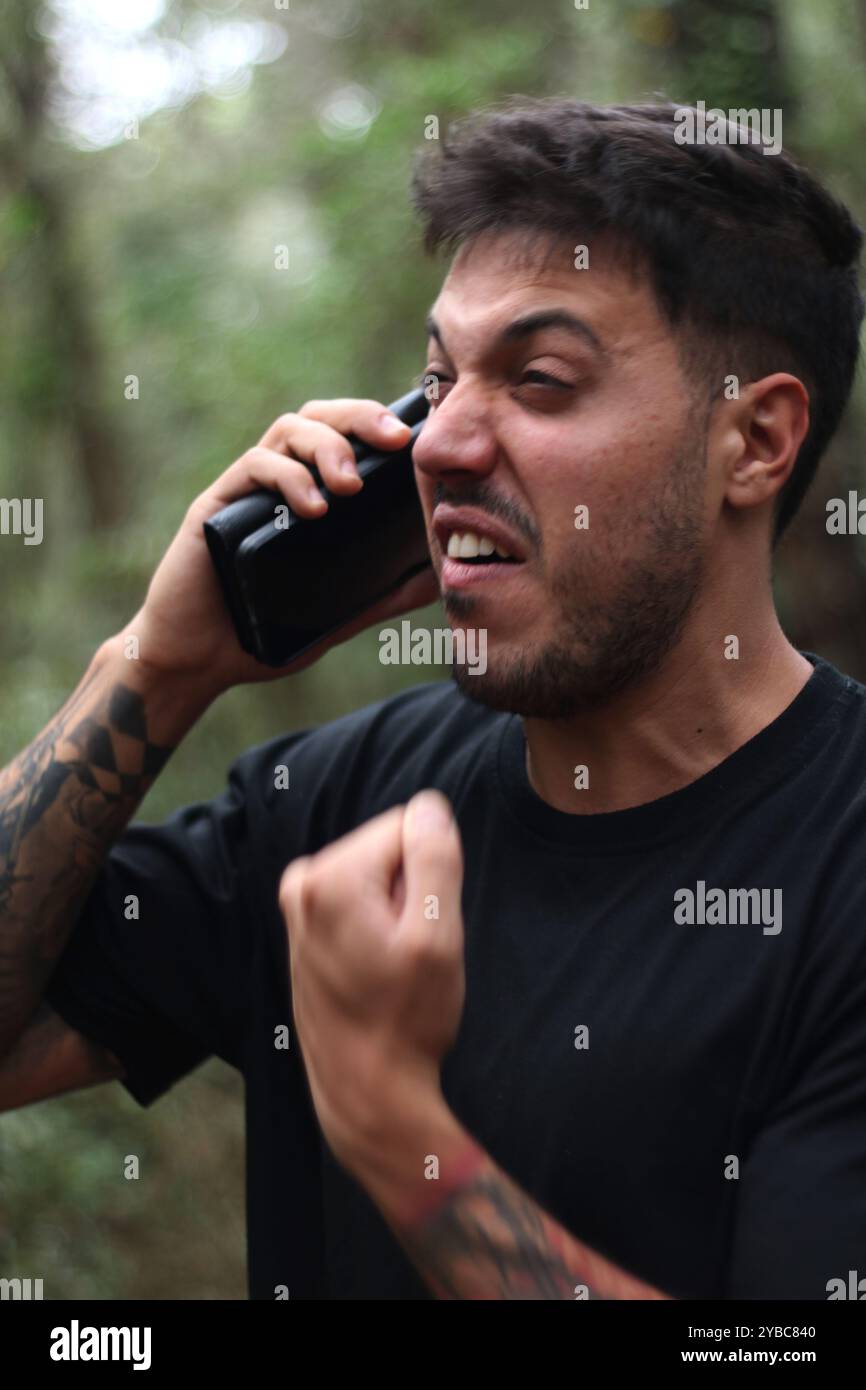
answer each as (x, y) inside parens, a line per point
(154, 257)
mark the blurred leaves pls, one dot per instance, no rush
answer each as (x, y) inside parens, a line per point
(154, 257)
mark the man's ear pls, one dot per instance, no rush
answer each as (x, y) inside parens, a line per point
(762, 434)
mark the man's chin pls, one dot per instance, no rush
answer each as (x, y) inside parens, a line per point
(484, 688)
(551, 684)
(531, 692)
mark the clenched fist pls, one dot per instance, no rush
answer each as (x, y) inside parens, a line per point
(375, 936)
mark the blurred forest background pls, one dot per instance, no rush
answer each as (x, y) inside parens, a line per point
(153, 153)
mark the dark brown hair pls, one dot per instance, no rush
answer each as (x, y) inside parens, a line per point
(751, 260)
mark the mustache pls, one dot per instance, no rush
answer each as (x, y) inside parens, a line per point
(486, 499)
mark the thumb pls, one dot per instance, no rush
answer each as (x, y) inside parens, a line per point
(432, 862)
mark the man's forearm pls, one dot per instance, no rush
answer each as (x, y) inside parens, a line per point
(471, 1232)
(63, 802)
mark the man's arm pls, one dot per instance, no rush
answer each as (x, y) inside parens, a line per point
(66, 799)
(378, 986)
(63, 802)
(471, 1232)
(50, 1058)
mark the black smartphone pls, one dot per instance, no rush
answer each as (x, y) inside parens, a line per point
(289, 581)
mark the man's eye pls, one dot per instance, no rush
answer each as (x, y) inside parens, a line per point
(545, 379)
(436, 383)
(433, 382)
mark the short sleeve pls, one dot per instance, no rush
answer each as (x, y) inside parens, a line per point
(158, 966)
(182, 931)
(801, 1210)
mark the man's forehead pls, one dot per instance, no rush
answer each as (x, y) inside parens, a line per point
(499, 278)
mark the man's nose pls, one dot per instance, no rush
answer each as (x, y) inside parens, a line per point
(456, 437)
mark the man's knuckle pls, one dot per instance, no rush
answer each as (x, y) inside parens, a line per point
(198, 510)
(284, 423)
(291, 883)
(286, 889)
(310, 891)
(423, 952)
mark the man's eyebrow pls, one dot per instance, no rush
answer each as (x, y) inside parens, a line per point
(528, 324)
(551, 318)
(432, 330)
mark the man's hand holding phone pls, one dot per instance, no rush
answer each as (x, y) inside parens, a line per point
(184, 625)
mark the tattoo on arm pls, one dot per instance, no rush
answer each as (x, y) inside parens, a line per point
(488, 1240)
(63, 801)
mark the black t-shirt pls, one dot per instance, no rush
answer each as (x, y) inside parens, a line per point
(689, 1099)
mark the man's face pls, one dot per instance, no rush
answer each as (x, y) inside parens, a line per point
(534, 420)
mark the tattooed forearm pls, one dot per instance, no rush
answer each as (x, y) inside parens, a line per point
(489, 1242)
(472, 1233)
(486, 1239)
(95, 766)
(63, 802)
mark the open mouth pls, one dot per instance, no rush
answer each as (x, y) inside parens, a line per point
(471, 549)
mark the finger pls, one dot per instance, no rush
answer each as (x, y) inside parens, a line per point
(432, 868)
(314, 442)
(290, 895)
(369, 420)
(367, 859)
(266, 469)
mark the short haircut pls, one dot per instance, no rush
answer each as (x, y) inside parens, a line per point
(752, 262)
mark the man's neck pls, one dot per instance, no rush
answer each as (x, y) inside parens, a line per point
(668, 730)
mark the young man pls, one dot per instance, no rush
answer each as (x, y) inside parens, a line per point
(595, 1025)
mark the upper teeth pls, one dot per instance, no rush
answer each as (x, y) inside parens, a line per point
(467, 545)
